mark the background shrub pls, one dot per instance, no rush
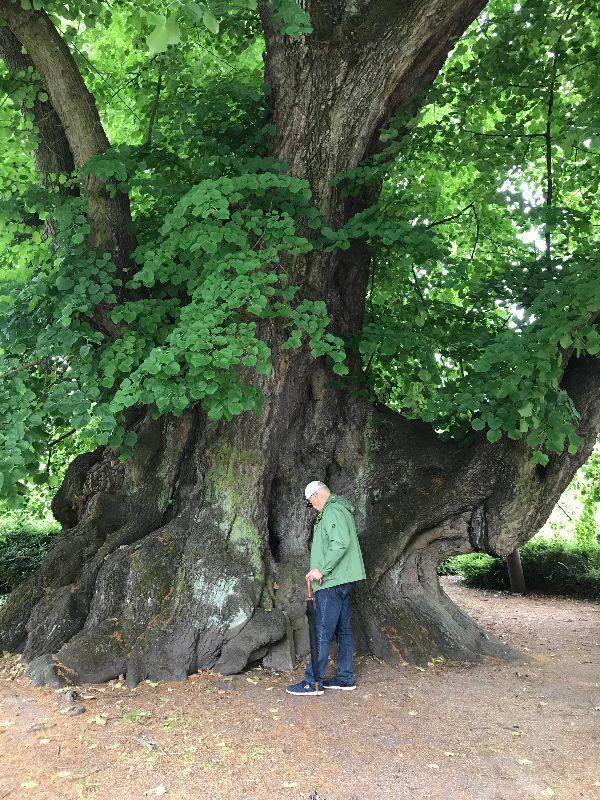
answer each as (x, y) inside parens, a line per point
(23, 544)
(551, 566)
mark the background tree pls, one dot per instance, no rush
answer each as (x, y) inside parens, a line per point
(221, 301)
(587, 531)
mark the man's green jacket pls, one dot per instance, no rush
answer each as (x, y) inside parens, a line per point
(335, 549)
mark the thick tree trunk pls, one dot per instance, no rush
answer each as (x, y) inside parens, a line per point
(170, 562)
(193, 553)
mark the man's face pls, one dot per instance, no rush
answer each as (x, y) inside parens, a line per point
(318, 499)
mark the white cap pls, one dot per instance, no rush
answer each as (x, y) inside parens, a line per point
(313, 487)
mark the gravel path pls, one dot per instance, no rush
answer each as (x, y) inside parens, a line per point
(493, 731)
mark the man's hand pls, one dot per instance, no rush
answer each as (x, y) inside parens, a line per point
(315, 575)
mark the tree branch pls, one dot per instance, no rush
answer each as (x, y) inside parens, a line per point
(477, 227)
(453, 216)
(53, 154)
(548, 148)
(153, 111)
(418, 288)
(110, 217)
(505, 134)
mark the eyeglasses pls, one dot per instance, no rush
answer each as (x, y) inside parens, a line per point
(308, 503)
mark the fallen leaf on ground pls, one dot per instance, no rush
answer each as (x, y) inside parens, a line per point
(524, 761)
(157, 791)
(29, 785)
(135, 716)
(100, 720)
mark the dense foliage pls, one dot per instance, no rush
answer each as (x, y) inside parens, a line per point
(485, 272)
(587, 530)
(554, 566)
(22, 550)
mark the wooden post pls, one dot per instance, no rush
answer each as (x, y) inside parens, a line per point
(515, 572)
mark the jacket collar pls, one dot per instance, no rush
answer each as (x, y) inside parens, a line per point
(320, 514)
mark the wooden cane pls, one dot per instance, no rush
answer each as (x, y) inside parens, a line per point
(309, 591)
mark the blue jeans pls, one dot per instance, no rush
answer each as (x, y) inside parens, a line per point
(332, 607)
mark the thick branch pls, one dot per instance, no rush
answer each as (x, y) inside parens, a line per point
(348, 85)
(331, 93)
(110, 217)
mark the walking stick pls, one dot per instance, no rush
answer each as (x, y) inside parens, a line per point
(312, 632)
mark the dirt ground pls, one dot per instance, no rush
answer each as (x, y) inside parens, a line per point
(493, 731)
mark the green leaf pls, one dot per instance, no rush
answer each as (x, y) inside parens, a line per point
(173, 30)
(165, 33)
(526, 410)
(215, 412)
(566, 340)
(367, 347)
(158, 40)
(210, 21)
(539, 458)
(194, 11)
(494, 435)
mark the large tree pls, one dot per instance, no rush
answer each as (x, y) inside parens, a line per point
(338, 278)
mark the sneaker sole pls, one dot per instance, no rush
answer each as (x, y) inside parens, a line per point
(341, 688)
(305, 694)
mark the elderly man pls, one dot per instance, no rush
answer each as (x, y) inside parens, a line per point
(335, 563)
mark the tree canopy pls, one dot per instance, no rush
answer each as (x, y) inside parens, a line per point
(484, 273)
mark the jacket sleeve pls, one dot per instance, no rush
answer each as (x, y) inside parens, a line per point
(338, 533)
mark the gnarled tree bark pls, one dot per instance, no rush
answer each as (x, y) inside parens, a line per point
(192, 554)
